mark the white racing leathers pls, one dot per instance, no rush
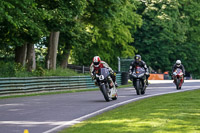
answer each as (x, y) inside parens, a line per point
(102, 64)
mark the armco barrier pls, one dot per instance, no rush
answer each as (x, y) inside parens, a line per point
(34, 84)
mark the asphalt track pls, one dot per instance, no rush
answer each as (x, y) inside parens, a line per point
(51, 113)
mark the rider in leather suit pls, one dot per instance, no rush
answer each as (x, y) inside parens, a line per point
(178, 65)
(138, 62)
(97, 64)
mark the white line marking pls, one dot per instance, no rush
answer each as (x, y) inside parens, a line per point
(14, 104)
(78, 120)
(169, 81)
(185, 86)
(34, 122)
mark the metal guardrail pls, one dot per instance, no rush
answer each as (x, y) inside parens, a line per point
(35, 84)
(80, 69)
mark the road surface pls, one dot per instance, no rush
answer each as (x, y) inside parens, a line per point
(51, 113)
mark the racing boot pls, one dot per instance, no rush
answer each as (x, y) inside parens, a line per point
(116, 84)
(111, 85)
(95, 83)
(147, 82)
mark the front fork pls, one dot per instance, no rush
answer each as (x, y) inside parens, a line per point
(143, 81)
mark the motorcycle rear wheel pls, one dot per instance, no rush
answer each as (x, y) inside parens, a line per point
(144, 88)
(115, 98)
(143, 91)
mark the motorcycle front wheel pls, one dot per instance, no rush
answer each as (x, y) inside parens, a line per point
(104, 92)
(177, 84)
(138, 89)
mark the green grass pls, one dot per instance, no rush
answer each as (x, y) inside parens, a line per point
(170, 113)
(63, 72)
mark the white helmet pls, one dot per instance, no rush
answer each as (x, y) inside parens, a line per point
(178, 62)
(96, 61)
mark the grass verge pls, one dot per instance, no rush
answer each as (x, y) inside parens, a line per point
(54, 92)
(170, 113)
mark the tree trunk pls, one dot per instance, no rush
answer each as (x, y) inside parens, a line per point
(66, 54)
(20, 54)
(52, 50)
(31, 63)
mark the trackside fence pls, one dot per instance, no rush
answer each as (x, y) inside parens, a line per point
(35, 84)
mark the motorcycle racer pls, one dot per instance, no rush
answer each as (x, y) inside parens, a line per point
(139, 62)
(178, 65)
(96, 64)
(178, 76)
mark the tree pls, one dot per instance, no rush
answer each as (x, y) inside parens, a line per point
(191, 47)
(21, 24)
(52, 50)
(162, 34)
(110, 23)
(65, 14)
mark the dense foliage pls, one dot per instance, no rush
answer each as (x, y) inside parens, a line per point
(111, 24)
(162, 31)
(169, 32)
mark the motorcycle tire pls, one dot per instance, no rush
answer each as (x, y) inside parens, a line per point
(138, 89)
(105, 92)
(177, 84)
(144, 89)
(142, 92)
(115, 98)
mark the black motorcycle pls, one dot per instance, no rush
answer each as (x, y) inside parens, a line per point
(106, 84)
(138, 78)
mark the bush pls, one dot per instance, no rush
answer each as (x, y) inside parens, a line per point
(7, 69)
(12, 69)
(61, 72)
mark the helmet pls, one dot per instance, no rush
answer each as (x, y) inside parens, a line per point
(137, 58)
(96, 61)
(178, 63)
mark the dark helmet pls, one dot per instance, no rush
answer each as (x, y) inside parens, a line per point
(137, 58)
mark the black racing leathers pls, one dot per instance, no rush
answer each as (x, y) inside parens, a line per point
(141, 64)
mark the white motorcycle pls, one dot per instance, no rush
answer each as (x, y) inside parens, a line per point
(106, 84)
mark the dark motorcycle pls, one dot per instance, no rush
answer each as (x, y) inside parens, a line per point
(138, 78)
(178, 78)
(106, 84)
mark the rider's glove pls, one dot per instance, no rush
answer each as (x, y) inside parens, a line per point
(111, 72)
(93, 77)
(114, 74)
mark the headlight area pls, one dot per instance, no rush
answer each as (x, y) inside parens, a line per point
(141, 75)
